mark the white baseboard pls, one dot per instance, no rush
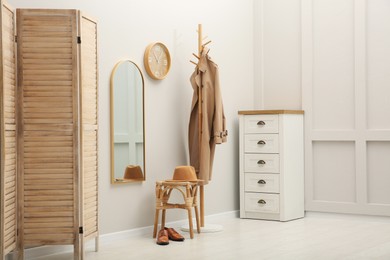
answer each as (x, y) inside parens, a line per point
(317, 214)
(36, 252)
(149, 229)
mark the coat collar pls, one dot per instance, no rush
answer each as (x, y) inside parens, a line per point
(196, 77)
(202, 64)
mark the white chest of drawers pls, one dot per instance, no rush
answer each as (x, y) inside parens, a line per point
(271, 164)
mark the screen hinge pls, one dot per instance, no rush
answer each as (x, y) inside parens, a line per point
(81, 230)
(78, 39)
(16, 38)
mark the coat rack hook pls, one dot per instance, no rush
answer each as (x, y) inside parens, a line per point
(206, 43)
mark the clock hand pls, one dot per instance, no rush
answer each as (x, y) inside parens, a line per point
(155, 56)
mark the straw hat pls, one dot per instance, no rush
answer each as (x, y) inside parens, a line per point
(184, 173)
(133, 172)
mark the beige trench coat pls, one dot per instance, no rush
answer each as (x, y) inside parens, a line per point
(213, 120)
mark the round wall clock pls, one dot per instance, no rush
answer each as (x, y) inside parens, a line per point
(157, 60)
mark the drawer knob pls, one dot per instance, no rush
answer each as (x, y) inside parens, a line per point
(261, 162)
(262, 202)
(261, 142)
(261, 122)
(261, 182)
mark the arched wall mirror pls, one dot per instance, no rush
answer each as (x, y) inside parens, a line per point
(127, 123)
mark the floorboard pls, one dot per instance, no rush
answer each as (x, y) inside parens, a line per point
(317, 236)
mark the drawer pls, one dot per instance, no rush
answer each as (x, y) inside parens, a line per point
(262, 202)
(261, 143)
(258, 182)
(267, 163)
(258, 124)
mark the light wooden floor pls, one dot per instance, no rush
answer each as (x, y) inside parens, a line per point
(317, 236)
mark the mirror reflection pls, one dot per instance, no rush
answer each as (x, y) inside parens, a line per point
(127, 123)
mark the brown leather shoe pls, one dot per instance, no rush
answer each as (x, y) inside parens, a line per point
(162, 237)
(173, 235)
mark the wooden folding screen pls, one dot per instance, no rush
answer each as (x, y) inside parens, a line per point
(8, 176)
(89, 123)
(57, 128)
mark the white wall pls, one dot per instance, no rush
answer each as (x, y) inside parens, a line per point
(331, 58)
(125, 29)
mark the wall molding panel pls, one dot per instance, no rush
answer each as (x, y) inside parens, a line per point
(331, 59)
(346, 171)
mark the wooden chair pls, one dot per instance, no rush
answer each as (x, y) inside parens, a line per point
(188, 190)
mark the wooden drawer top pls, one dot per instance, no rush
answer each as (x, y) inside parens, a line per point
(265, 112)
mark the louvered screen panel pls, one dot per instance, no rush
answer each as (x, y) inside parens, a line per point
(89, 87)
(47, 50)
(8, 132)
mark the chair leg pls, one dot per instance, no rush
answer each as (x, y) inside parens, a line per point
(163, 219)
(197, 219)
(190, 223)
(155, 223)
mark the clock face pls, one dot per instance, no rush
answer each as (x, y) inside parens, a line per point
(157, 60)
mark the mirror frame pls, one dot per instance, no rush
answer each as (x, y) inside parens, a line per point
(112, 175)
